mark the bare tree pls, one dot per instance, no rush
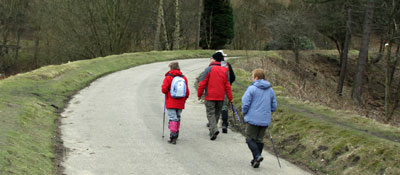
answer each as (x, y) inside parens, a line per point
(363, 55)
(343, 67)
(250, 17)
(199, 11)
(13, 19)
(391, 62)
(177, 32)
(160, 17)
(166, 43)
(290, 31)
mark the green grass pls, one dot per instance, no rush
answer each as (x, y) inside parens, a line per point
(30, 104)
(331, 141)
(325, 140)
(305, 133)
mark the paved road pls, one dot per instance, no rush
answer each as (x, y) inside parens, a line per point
(114, 126)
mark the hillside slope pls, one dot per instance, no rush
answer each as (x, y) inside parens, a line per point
(324, 139)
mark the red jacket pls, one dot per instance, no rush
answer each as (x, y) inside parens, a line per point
(215, 82)
(173, 103)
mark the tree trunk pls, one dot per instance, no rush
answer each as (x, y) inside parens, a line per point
(158, 30)
(198, 24)
(36, 52)
(18, 43)
(390, 63)
(209, 34)
(5, 41)
(4, 54)
(165, 35)
(387, 80)
(394, 64)
(381, 50)
(296, 50)
(363, 56)
(397, 96)
(177, 25)
(340, 50)
(343, 67)
(94, 29)
(297, 56)
(341, 54)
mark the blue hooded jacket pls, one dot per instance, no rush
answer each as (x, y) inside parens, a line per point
(258, 103)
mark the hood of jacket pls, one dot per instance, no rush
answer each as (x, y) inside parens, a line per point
(175, 72)
(261, 84)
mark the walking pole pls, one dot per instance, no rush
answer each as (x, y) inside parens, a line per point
(163, 119)
(233, 115)
(237, 115)
(273, 147)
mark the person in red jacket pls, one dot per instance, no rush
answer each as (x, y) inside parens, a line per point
(174, 105)
(215, 83)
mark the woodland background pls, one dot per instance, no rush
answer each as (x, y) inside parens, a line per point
(34, 33)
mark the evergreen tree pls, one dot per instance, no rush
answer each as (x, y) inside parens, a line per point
(217, 26)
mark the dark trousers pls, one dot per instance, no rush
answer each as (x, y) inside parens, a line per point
(255, 139)
(225, 112)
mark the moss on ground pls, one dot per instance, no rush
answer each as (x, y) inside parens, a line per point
(30, 104)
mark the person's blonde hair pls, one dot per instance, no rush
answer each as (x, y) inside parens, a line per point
(174, 65)
(259, 73)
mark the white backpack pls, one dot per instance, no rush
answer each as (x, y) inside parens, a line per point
(178, 87)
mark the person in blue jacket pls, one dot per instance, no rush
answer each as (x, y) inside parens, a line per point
(258, 103)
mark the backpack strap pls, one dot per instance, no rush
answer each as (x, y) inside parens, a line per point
(172, 75)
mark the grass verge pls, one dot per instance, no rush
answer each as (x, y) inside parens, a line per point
(325, 140)
(30, 104)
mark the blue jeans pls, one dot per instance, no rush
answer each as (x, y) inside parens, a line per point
(174, 114)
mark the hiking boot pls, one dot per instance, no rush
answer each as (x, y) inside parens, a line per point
(224, 129)
(225, 122)
(173, 137)
(257, 162)
(253, 148)
(172, 140)
(260, 159)
(214, 136)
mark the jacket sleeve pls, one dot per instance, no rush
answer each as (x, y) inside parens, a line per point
(232, 76)
(165, 87)
(228, 90)
(273, 101)
(187, 88)
(203, 82)
(246, 100)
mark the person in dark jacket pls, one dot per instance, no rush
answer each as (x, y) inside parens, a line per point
(231, 77)
(215, 83)
(174, 105)
(258, 103)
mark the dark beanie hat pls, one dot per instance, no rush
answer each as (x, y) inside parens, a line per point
(218, 56)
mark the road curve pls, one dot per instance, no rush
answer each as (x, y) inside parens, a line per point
(114, 127)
